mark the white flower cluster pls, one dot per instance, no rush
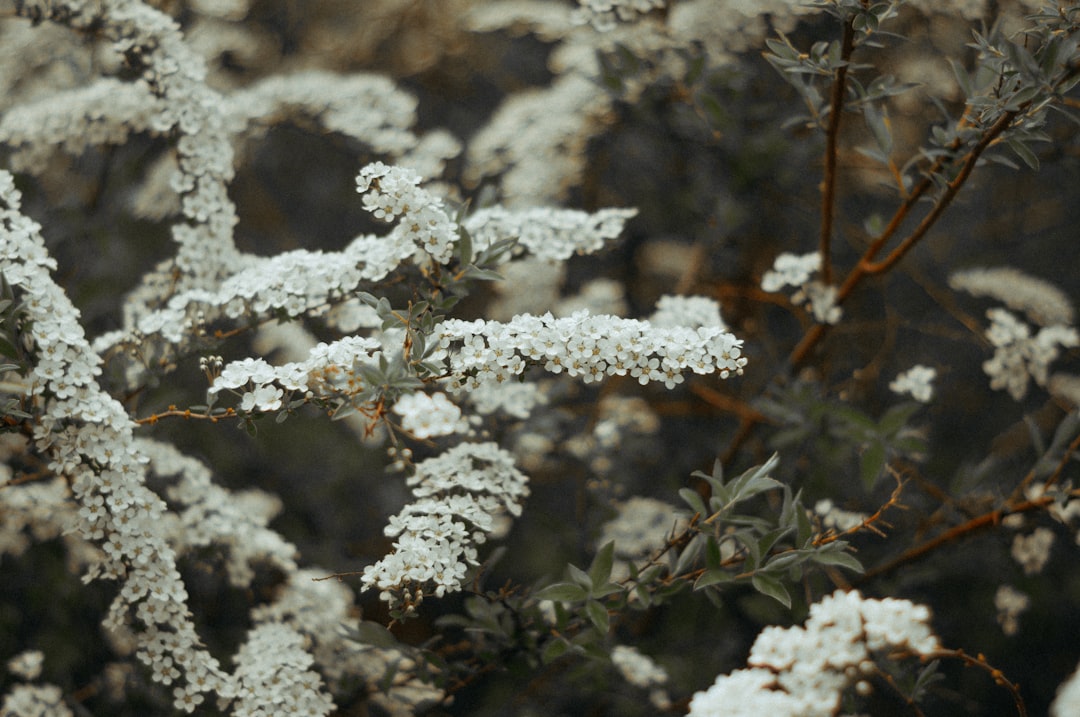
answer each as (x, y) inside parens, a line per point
(176, 75)
(105, 112)
(88, 437)
(426, 416)
(27, 665)
(366, 107)
(458, 495)
(513, 399)
(1018, 355)
(273, 675)
(1032, 551)
(394, 192)
(691, 311)
(638, 669)
(330, 369)
(793, 270)
(585, 346)
(642, 527)
(212, 515)
(803, 671)
(548, 233)
(324, 610)
(536, 140)
(602, 14)
(1044, 303)
(1067, 701)
(641, 671)
(35, 701)
(1010, 603)
(834, 517)
(917, 381)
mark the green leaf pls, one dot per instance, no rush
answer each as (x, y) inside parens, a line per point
(579, 576)
(713, 577)
(473, 272)
(555, 649)
(600, 570)
(787, 559)
(712, 552)
(1023, 152)
(562, 592)
(771, 538)
(465, 246)
(598, 615)
(871, 464)
(754, 481)
(897, 417)
(7, 348)
(374, 634)
(837, 556)
(690, 554)
(878, 122)
(693, 499)
(606, 589)
(768, 585)
(927, 676)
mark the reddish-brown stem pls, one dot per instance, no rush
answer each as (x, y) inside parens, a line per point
(980, 662)
(986, 520)
(866, 265)
(832, 133)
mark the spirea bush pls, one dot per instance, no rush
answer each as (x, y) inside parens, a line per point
(491, 357)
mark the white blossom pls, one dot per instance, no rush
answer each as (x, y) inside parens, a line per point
(917, 381)
(458, 494)
(801, 671)
(1044, 303)
(1033, 551)
(425, 416)
(1018, 355)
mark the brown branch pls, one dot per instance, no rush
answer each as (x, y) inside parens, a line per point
(980, 661)
(866, 266)
(174, 412)
(976, 524)
(832, 133)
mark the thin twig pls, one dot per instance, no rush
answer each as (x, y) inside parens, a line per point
(981, 522)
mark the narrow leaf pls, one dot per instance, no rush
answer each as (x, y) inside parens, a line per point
(598, 615)
(768, 585)
(562, 592)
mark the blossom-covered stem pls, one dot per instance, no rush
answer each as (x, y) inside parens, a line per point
(828, 184)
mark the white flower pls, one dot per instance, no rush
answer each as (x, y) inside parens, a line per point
(1010, 604)
(638, 669)
(1032, 551)
(27, 665)
(1044, 303)
(917, 381)
(802, 671)
(458, 495)
(425, 416)
(790, 270)
(692, 311)
(1067, 702)
(1018, 355)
